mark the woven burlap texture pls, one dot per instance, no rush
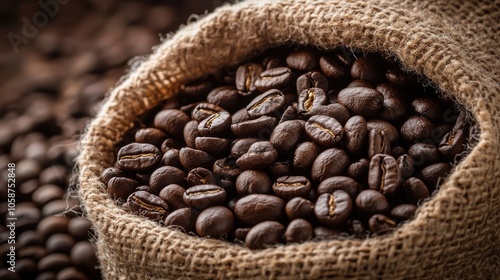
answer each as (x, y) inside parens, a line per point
(454, 235)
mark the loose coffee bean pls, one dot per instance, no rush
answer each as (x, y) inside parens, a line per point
(171, 158)
(429, 108)
(216, 222)
(191, 132)
(264, 234)
(205, 110)
(138, 157)
(218, 124)
(59, 243)
(333, 209)
(54, 262)
(240, 234)
(423, 154)
(260, 155)
(165, 176)
(310, 100)
(370, 202)
(111, 172)
(200, 176)
(452, 144)
(46, 193)
(226, 171)
(148, 205)
(325, 131)
(212, 145)
(171, 121)
(150, 135)
(384, 174)
(203, 196)
(172, 195)
(241, 146)
(257, 208)
(287, 135)
(331, 162)
(343, 183)
(303, 60)
(334, 69)
(80, 228)
(280, 169)
(288, 187)
(168, 144)
(197, 90)
(259, 127)
(299, 208)
(184, 218)
(359, 170)
(336, 111)
(403, 212)
(240, 116)
(290, 114)
(355, 135)
(192, 158)
(313, 79)
(388, 129)
(358, 229)
(380, 224)
(121, 187)
(274, 78)
(378, 143)
(253, 182)
(434, 174)
(416, 129)
(304, 156)
(298, 231)
(400, 78)
(369, 69)
(226, 97)
(266, 103)
(406, 165)
(246, 75)
(361, 101)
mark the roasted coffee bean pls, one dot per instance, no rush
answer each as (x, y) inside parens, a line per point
(403, 212)
(360, 83)
(148, 205)
(241, 146)
(260, 155)
(298, 231)
(299, 208)
(190, 133)
(288, 187)
(273, 61)
(370, 202)
(80, 228)
(259, 127)
(212, 145)
(361, 101)
(393, 110)
(303, 60)
(274, 78)
(304, 156)
(138, 157)
(200, 176)
(380, 224)
(400, 78)
(369, 68)
(452, 144)
(430, 108)
(246, 75)
(321, 232)
(416, 129)
(359, 170)
(241, 233)
(203, 196)
(168, 144)
(423, 154)
(83, 256)
(434, 174)
(59, 243)
(325, 131)
(46, 193)
(192, 158)
(331, 162)
(336, 111)
(226, 97)
(388, 129)
(343, 183)
(378, 143)
(197, 89)
(255, 208)
(406, 165)
(121, 187)
(218, 124)
(310, 100)
(390, 91)
(253, 182)
(70, 273)
(165, 176)
(397, 151)
(216, 222)
(384, 174)
(150, 135)
(264, 234)
(281, 168)
(172, 195)
(313, 79)
(266, 103)
(51, 225)
(54, 262)
(205, 110)
(358, 229)
(287, 135)
(334, 69)
(184, 218)
(171, 121)
(111, 172)
(240, 116)
(355, 135)
(171, 158)
(333, 209)
(226, 171)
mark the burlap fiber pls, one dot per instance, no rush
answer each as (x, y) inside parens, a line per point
(455, 235)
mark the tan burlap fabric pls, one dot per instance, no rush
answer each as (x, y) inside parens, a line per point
(455, 235)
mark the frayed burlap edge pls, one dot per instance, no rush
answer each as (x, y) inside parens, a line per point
(452, 234)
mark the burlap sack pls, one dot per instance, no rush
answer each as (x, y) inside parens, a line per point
(454, 235)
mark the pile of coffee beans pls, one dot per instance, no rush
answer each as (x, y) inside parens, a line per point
(51, 88)
(296, 144)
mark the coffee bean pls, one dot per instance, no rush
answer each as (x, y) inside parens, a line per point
(281, 168)
(111, 172)
(226, 97)
(304, 156)
(80, 228)
(388, 129)
(360, 83)
(259, 127)
(333, 209)
(59, 243)
(71, 273)
(310, 100)
(200, 176)
(416, 129)
(218, 124)
(264, 234)
(378, 143)
(205, 110)
(240, 146)
(321, 232)
(171, 121)
(400, 78)
(334, 69)
(253, 182)
(185, 218)
(331, 162)
(406, 165)
(203, 196)
(290, 114)
(384, 174)
(273, 61)
(54, 262)
(246, 75)
(165, 176)
(313, 79)
(423, 154)
(148, 205)
(172, 195)
(197, 89)
(260, 155)
(390, 91)
(434, 174)
(150, 135)
(226, 171)
(274, 78)
(83, 256)
(393, 110)
(298, 231)
(403, 212)
(138, 157)
(122, 187)
(452, 143)
(288, 187)
(303, 60)
(299, 208)
(325, 131)
(46, 193)
(287, 135)
(370, 202)
(336, 111)
(361, 101)
(381, 224)
(52, 225)
(346, 184)
(216, 222)
(359, 170)
(240, 234)
(171, 158)
(240, 116)
(212, 145)
(192, 158)
(266, 103)
(255, 208)
(168, 144)
(355, 135)
(358, 229)
(430, 108)
(369, 68)
(190, 133)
